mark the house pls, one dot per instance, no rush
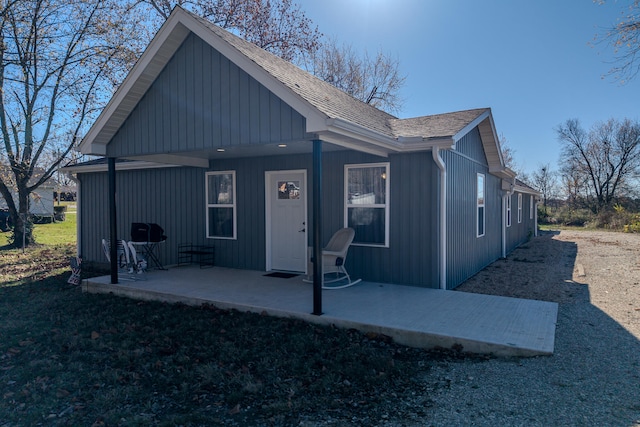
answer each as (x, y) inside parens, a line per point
(41, 200)
(222, 143)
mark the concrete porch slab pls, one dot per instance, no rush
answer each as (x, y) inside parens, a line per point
(412, 316)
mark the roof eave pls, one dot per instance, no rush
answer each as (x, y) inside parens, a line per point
(140, 78)
(163, 46)
(379, 142)
(102, 167)
(417, 143)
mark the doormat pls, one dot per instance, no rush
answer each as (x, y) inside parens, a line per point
(282, 275)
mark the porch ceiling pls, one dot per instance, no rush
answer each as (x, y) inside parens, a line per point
(201, 158)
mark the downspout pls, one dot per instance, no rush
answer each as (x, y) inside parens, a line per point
(442, 232)
(504, 217)
(78, 216)
(535, 216)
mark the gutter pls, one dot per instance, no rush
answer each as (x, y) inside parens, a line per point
(442, 203)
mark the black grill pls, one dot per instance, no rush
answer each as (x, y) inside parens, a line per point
(147, 232)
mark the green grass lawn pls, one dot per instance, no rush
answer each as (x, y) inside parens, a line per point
(69, 358)
(57, 233)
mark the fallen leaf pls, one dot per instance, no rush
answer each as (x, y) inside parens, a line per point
(95, 335)
(234, 410)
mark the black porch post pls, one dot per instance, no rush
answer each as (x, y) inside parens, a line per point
(317, 227)
(113, 224)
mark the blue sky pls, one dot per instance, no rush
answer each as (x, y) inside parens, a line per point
(532, 62)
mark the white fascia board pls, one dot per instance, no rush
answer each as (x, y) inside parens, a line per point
(350, 130)
(173, 159)
(314, 118)
(119, 167)
(503, 172)
(363, 147)
(417, 143)
(526, 190)
(166, 41)
(475, 122)
(495, 136)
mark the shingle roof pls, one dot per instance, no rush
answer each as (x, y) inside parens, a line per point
(337, 104)
(327, 98)
(339, 117)
(436, 126)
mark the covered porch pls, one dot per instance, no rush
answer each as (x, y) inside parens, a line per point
(411, 316)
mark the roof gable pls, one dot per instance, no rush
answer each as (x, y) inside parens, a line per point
(329, 113)
(319, 102)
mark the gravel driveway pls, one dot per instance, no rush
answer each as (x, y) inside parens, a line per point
(593, 378)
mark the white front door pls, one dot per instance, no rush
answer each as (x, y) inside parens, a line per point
(286, 224)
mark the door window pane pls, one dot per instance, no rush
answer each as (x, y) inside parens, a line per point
(288, 190)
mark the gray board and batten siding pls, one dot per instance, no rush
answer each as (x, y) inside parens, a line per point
(466, 252)
(520, 232)
(200, 101)
(174, 197)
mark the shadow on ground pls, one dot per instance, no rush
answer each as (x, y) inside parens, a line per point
(593, 378)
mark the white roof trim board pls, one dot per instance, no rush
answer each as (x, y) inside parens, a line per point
(331, 115)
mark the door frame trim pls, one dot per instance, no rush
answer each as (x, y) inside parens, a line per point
(267, 214)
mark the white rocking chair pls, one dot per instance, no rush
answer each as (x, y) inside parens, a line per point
(334, 256)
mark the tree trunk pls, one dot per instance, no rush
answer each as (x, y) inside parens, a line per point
(23, 227)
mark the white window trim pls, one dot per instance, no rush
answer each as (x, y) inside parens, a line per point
(220, 205)
(481, 205)
(519, 208)
(509, 210)
(531, 207)
(386, 205)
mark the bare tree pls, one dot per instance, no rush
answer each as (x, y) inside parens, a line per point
(544, 180)
(278, 26)
(281, 27)
(624, 38)
(606, 158)
(57, 62)
(509, 158)
(376, 81)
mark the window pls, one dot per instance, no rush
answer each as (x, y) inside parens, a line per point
(519, 208)
(221, 204)
(480, 205)
(367, 203)
(531, 207)
(509, 211)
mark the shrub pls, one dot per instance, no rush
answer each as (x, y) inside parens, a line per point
(571, 217)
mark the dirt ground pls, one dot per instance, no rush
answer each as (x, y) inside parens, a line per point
(566, 267)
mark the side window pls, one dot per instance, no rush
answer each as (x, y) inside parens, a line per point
(221, 204)
(508, 211)
(367, 203)
(531, 207)
(480, 205)
(519, 208)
